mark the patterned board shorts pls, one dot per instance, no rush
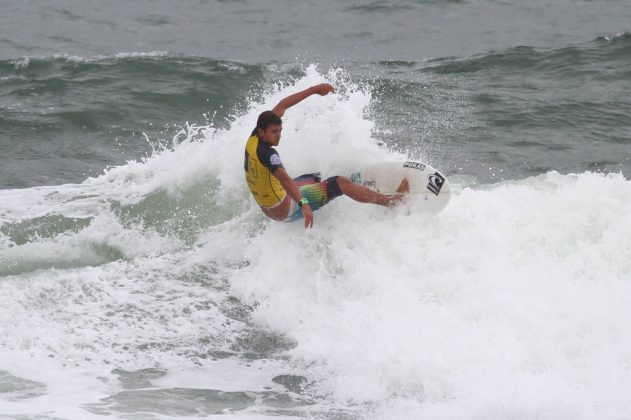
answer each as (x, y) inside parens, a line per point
(317, 192)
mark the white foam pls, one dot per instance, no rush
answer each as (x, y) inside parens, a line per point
(511, 303)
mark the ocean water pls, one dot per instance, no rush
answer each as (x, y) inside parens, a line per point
(138, 279)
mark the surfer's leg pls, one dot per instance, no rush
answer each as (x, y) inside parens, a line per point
(318, 194)
(321, 193)
(366, 195)
(307, 179)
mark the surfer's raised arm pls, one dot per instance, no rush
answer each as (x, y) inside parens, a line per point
(321, 89)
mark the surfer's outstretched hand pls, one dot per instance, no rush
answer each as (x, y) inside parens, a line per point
(323, 89)
(307, 213)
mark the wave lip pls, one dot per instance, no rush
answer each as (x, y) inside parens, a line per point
(565, 62)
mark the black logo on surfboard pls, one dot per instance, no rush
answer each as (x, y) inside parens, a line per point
(370, 184)
(435, 183)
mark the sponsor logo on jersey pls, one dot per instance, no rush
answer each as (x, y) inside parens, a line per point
(415, 165)
(435, 182)
(275, 160)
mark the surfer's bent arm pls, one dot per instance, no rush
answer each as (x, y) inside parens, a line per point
(291, 100)
(288, 184)
(292, 190)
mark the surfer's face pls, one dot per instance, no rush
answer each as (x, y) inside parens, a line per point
(271, 135)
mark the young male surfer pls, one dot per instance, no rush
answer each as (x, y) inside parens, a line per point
(283, 198)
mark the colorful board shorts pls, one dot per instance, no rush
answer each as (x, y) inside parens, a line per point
(317, 192)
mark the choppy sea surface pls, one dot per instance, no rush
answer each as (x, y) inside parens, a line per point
(138, 279)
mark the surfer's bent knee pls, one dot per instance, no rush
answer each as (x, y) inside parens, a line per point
(332, 187)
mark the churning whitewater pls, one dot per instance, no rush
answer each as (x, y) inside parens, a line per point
(158, 289)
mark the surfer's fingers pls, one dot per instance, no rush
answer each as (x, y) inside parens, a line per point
(308, 221)
(324, 89)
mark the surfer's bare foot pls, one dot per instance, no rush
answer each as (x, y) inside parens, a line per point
(404, 187)
(397, 198)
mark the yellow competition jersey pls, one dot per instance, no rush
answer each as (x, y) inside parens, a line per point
(261, 161)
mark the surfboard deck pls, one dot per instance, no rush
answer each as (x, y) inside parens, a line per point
(428, 186)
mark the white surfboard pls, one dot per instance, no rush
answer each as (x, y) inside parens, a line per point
(428, 187)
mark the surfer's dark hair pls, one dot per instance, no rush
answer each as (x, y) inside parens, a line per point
(266, 119)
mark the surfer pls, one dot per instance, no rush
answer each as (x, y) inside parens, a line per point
(283, 198)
